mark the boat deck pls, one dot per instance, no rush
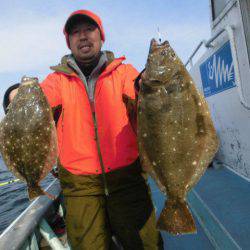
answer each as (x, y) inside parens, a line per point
(220, 204)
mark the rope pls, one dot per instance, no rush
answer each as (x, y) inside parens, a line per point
(8, 182)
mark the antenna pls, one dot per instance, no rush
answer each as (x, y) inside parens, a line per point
(159, 34)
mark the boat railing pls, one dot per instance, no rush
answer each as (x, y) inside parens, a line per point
(21, 233)
(229, 29)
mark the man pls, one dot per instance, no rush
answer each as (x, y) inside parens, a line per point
(100, 174)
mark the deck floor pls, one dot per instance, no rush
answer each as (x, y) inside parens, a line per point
(180, 242)
(226, 196)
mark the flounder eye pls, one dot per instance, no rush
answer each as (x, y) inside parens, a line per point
(163, 53)
(172, 54)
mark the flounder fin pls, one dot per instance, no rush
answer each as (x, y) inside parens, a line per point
(34, 192)
(158, 182)
(176, 218)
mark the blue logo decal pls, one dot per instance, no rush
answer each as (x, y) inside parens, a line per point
(217, 72)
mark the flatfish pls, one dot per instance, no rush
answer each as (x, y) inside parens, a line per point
(176, 136)
(28, 136)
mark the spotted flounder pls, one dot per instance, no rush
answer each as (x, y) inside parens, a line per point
(176, 136)
(28, 136)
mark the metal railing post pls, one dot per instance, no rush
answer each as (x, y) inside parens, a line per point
(33, 242)
(50, 236)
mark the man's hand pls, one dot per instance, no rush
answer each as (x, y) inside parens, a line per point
(9, 95)
(142, 77)
(138, 81)
(12, 94)
(25, 81)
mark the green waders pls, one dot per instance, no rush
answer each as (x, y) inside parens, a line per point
(127, 212)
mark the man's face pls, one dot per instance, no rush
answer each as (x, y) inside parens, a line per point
(85, 41)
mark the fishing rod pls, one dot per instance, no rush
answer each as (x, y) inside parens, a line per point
(8, 182)
(54, 172)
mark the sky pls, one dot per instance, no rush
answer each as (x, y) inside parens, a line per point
(31, 37)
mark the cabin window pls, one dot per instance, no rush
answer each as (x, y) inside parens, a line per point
(217, 7)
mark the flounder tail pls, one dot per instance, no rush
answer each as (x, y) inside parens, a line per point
(176, 218)
(36, 191)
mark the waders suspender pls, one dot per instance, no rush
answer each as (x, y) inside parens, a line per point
(100, 156)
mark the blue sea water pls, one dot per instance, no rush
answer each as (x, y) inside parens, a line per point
(13, 197)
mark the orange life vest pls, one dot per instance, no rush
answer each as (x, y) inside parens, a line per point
(77, 140)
